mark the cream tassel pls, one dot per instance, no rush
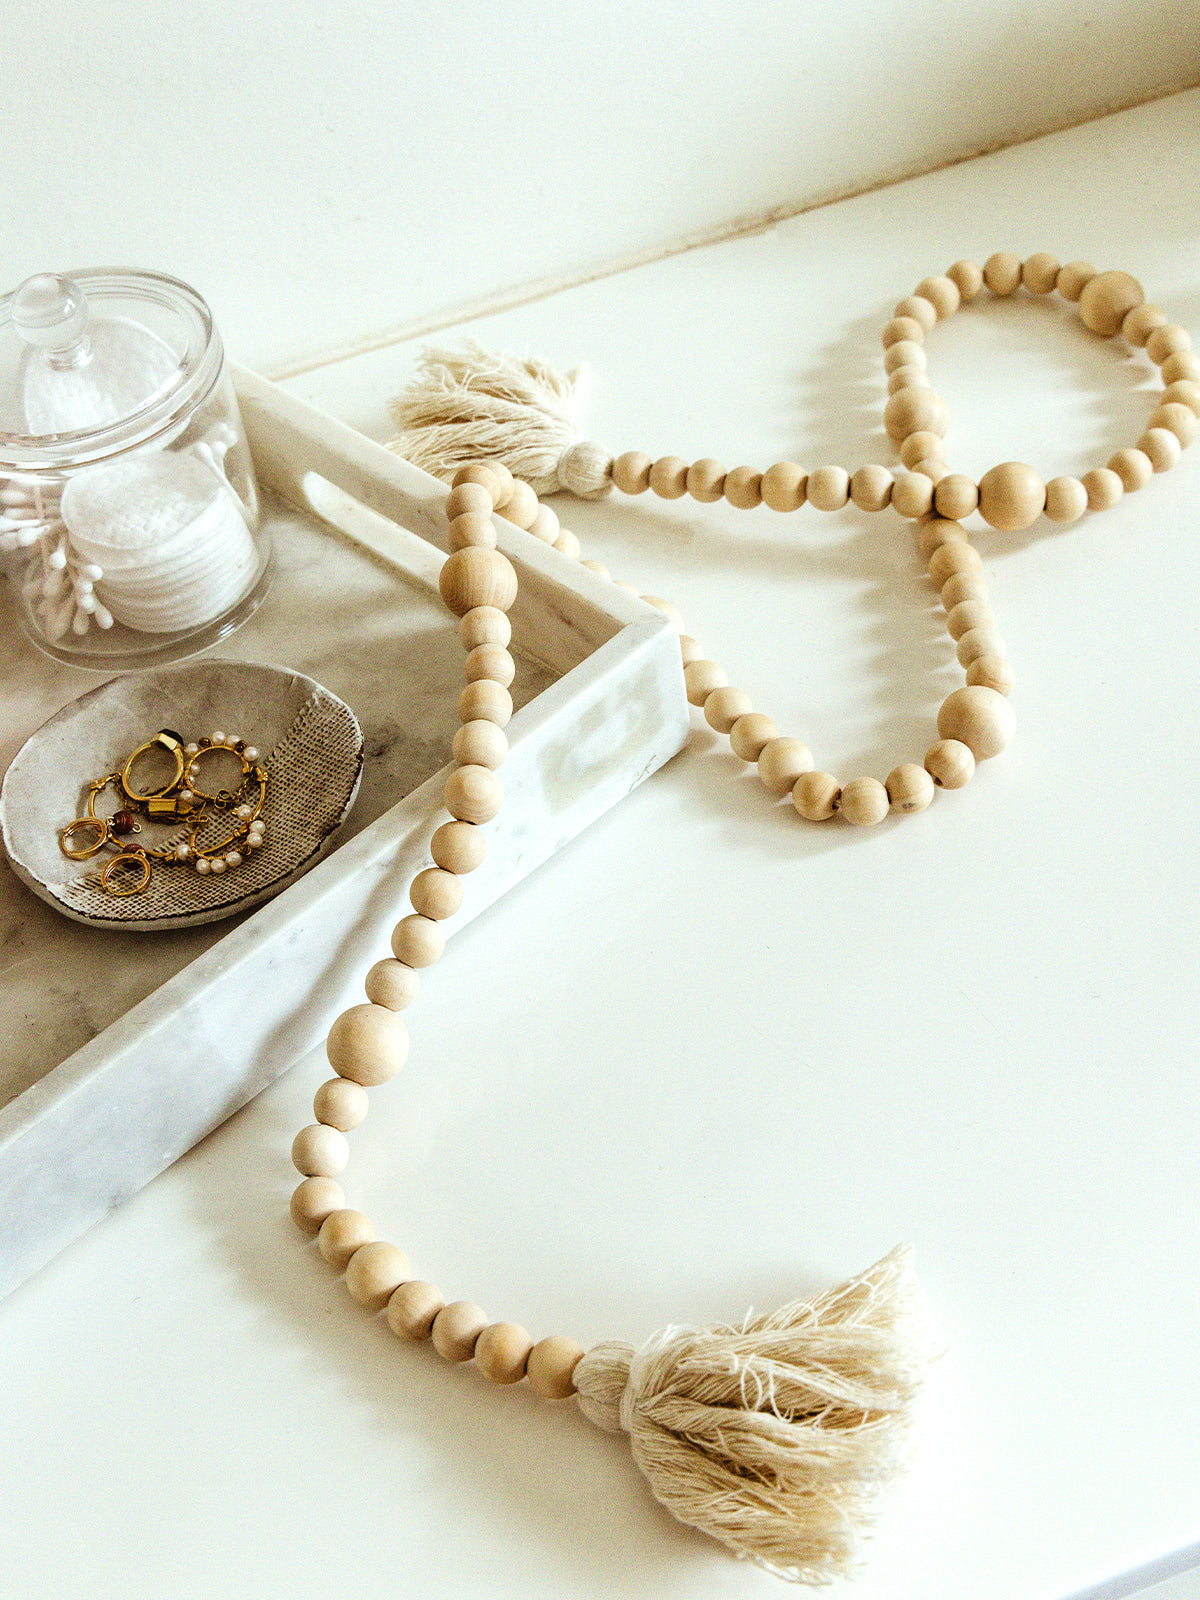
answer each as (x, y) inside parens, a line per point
(476, 405)
(775, 1437)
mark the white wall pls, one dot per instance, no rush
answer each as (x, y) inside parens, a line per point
(326, 172)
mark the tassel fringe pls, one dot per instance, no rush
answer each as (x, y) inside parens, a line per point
(775, 1437)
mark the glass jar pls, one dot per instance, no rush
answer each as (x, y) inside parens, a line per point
(129, 527)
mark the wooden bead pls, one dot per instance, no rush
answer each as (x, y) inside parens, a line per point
(468, 497)
(1183, 366)
(1167, 341)
(937, 531)
(871, 487)
(484, 625)
(750, 734)
(1011, 496)
(598, 568)
(477, 577)
(631, 472)
(504, 482)
(436, 893)
(780, 763)
(342, 1234)
(1106, 301)
(480, 472)
(391, 984)
(418, 941)
(480, 744)
(1138, 324)
(491, 661)
(900, 329)
(743, 488)
(950, 764)
(1002, 272)
(979, 718)
(545, 525)
(1104, 488)
(473, 794)
(1133, 467)
(906, 353)
(668, 477)
(934, 470)
(458, 846)
(413, 1309)
(320, 1152)
(911, 411)
(724, 706)
(991, 672)
(828, 488)
(456, 1329)
(690, 649)
(665, 606)
(919, 309)
(551, 1367)
(367, 1044)
(1161, 447)
(567, 544)
(1180, 419)
(487, 700)
(957, 555)
(784, 486)
(967, 615)
(521, 506)
(1039, 273)
(313, 1201)
(909, 787)
(909, 377)
(1072, 277)
(1066, 499)
(942, 293)
(921, 446)
(912, 495)
(967, 277)
(978, 642)
(1184, 392)
(863, 802)
(502, 1351)
(376, 1270)
(962, 586)
(706, 480)
(956, 496)
(700, 678)
(815, 795)
(340, 1104)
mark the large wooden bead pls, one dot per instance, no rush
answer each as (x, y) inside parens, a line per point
(367, 1044)
(1039, 273)
(743, 488)
(1072, 278)
(942, 293)
(912, 411)
(706, 480)
(863, 802)
(700, 678)
(392, 984)
(921, 446)
(912, 495)
(1180, 419)
(905, 353)
(473, 794)
(458, 846)
(313, 1201)
(956, 555)
(456, 1329)
(724, 706)
(1011, 496)
(1106, 301)
(436, 893)
(950, 764)
(871, 487)
(376, 1270)
(501, 1352)
(485, 699)
(484, 625)
(1133, 467)
(668, 477)
(418, 941)
(1002, 272)
(978, 642)
(784, 486)
(979, 718)
(1181, 367)
(956, 496)
(828, 488)
(909, 787)
(477, 577)
(815, 795)
(631, 472)
(551, 1367)
(342, 1234)
(472, 497)
(1161, 447)
(969, 614)
(967, 277)
(480, 744)
(1167, 341)
(1184, 392)
(490, 661)
(780, 763)
(1066, 499)
(340, 1104)
(919, 309)
(991, 672)
(320, 1152)
(1104, 488)
(413, 1308)
(750, 734)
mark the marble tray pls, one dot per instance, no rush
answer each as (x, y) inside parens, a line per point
(95, 1127)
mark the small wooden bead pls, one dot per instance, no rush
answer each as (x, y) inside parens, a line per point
(933, 469)
(937, 531)
(484, 625)
(468, 497)
(1011, 496)
(900, 329)
(340, 1104)
(477, 577)
(1039, 273)
(967, 615)
(962, 586)
(491, 661)
(909, 787)
(780, 763)
(502, 1351)
(320, 1152)
(376, 1270)
(480, 744)
(1181, 367)
(487, 700)
(456, 1329)
(1066, 499)
(911, 411)
(956, 555)
(545, 525)
(942, 293)
(504, 482)
(906, 353)
(912, 495)
(413, 1309)
(750, 734)
(921, 446)
(919, 309)
(598, 568)
(700, 678)
(458, 846)
(436, 893)
(967, 277)
(521, 506)
(1184, 392)
(473, 794)
(1162, 447)
(743, 488)
(668, 477)
(950, 764)
(342, 1234)
(956, 496)
(567, 544)
(828, 488)
(1167, 341)
(1106, 301)
(991, 672)
(1104, 488)
(724, 706)
(1072, 278)
(690, 649)
(784, 486)
(979, 718)
(417, 940)
(1133, 467)
(631, 472)
(551, 1367)
(871, 487)
(1137, 325)
(815, 795)
(706, 480)
(480, 472)
(907, 377)
(313, 1201)
(863, 802)
(391, 984)
(978, 642)
(1181, 420)
(665, 606)
(1002, 272)
(367, 1044)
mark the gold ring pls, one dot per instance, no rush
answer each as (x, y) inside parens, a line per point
(125, 857)
(163, 740)
(96, 825)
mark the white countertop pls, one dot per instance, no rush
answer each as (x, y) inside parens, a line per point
(709, 1056)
